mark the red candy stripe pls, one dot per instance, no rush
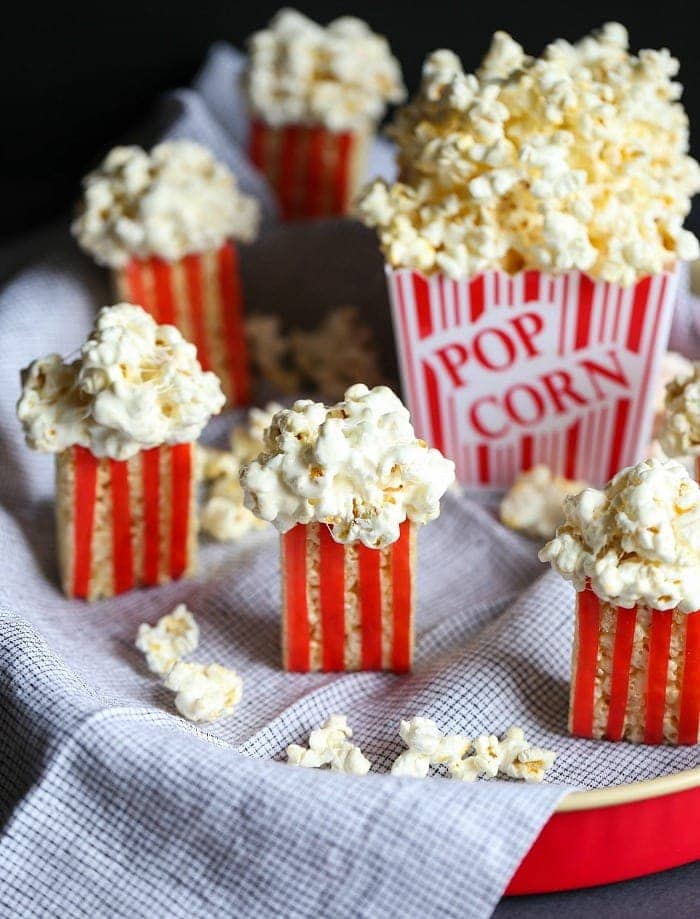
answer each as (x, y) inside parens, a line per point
(341, 176)
(622, 655)
(232, 322)
(370, 607)
(295, 603)
(164, 305)
(84, 494)
(150, 475)
(181, 470)
(195, 296)
(690, 689)
(135, 285)
(588, 621)
(287, 157)
(317, 140)
(402, 599)
(122, 550)
(332, 570)
(657, 670)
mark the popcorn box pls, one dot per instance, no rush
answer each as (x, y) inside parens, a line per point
(635, 673)
(125, 524)
(502, 372)
(201, 295)
(313, 171)
(346, 607)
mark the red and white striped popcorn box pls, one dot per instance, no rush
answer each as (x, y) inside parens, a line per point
(201, 295)
(635, 673)
(502, 372)
(125, 524)
(313, 171)
(346, 607)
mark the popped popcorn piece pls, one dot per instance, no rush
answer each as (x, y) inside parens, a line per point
(410, 763)
(204, 692)
(330, 745)
(535, 502)
(164, 643)
(512, 755)
(486, 760)
(680, 433)
(530, 764)
(427, 746)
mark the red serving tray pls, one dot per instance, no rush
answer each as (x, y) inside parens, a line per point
(614, 834)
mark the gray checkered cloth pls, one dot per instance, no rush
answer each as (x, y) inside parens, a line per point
(112, 805)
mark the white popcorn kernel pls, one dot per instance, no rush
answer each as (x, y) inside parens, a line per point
(465, 770)
(204, 692)
(421, 735)
(329, 745)
(535, 502)
(530, 764)
(427, 746)
(411, 763)
(168, 640)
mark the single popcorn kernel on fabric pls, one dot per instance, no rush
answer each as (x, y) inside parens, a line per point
(330, 745)
(530, 764)
(171, 638)
(576, 160)
(534, 505)
(204, 692)
(511, 756)
(427, 746)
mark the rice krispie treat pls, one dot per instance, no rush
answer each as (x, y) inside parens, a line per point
(122, 420)
(347, 485)
(632, 552)
(315, 96)
(167, 224)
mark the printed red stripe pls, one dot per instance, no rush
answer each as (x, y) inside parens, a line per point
(341, 175)
(150, 479)
(622, 655)
(180, 488)
(84, 494)
(295, 603)
(122, 549)
(421, 292)
(370, 607)
(287, 157)
(332, 595)
(657, 669)
(639, 308)
(135, 285)
(690, 689)
(476, 297)
(317, 139)
(164, 301)
(433, 392)
(526, 448)
(588, 624)
(402, 600)
(585, 312)
(232, 322)
(572, 439)
(256, 145)
(407, 350)
(564, 314)
(619, 431)
(195, 296)
(532, 286)
(482, 459)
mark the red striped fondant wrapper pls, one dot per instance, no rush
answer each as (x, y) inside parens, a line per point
(125, 524)
(502, 372)
(346, 607)
(635, 673)
(201, 295)
(313, 171)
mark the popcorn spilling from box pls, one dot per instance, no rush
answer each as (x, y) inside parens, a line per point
(330, 745)
(535, 503)
(577, 159)
(341, 76)
(174, 201)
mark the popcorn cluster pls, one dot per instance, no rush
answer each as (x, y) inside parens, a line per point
(680, 434)
(171, 638)
(636, 542)
(224, 516)
(573, 160)
(176, 200)
(512, 755)
(341, 76)
(535, 502)
(135, 385)
(330, 745)
(356, 466)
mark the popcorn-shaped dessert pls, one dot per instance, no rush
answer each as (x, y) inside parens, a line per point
(122, 420)
(531, 243)
(167, 224)
(680, 431)
(347, 485)
(632, 552)
(315, 96)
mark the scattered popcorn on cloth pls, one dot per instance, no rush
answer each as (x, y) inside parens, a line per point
(330, 745)
(427, 746)
(326, 360)
(171, 638)
(535, 503)
(204, 692)
(224, 515)
(577, 159)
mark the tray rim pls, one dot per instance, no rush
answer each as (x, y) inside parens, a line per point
(613, 795)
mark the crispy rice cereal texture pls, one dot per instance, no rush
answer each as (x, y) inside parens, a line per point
(107, 546)
(326, 585)
(632, 720)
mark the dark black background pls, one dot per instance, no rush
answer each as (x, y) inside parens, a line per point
(74, 76)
